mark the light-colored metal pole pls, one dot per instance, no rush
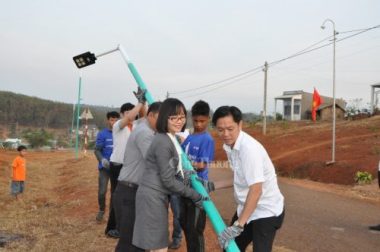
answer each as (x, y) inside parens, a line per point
(334, 101)
(108, 52)
(78, 110)
(265, 99)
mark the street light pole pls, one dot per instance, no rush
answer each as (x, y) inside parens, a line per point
(334, 101)
(265, 99)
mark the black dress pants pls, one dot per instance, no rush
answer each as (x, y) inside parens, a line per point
(261, 232)
(193, 223)
(125, 207)
(114, 174)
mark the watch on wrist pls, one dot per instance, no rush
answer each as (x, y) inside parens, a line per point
(237, 224)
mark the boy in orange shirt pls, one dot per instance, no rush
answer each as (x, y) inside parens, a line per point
(18, 172)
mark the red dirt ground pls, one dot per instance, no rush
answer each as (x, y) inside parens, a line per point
(301, 149)
(298, 150)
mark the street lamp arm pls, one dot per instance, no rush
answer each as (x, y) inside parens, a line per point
(108, 52)
(323, 26)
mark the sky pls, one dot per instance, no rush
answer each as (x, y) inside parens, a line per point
(187, 45)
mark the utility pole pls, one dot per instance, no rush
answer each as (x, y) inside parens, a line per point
(77, 129)
(265, 99)
(86, 115)
(167, 94)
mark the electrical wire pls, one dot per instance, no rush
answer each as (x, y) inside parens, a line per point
(217, 82)
(224, 84)
(319, 47)
(241, 74)
(247, 74)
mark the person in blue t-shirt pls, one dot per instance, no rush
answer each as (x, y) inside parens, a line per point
(199, 146)
(103, 151)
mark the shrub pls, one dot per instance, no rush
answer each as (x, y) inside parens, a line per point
(37, 138)
(363, 177)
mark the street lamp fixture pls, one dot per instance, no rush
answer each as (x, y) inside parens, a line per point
(334, 101)
(84, 59)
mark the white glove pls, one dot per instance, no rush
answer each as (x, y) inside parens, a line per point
(228, 234)
(105, 163)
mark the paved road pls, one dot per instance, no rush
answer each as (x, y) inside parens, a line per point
(315, 221)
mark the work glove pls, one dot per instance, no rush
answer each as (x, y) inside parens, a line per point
(208, 185)
(199, 200)
(228, 234)
(105, 163)
(140, 95)
(187, 176)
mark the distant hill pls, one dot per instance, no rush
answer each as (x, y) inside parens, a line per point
(35, 112)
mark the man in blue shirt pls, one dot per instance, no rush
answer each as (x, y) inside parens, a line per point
(199, 147)
(103, 151)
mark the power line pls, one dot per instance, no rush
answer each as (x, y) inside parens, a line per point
(217, 82)
(247, 74)
(319, 47)
(238, 75)
(224, 85)
(356, 30)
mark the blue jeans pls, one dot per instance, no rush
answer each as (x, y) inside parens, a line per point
(102, 190)
(175, 204)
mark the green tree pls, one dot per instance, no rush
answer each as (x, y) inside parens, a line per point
(37, 138)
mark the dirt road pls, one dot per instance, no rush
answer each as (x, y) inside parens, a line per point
(324, 221)
(319, 217)
(59, 206)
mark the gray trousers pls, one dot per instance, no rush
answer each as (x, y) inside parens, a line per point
(103, 179)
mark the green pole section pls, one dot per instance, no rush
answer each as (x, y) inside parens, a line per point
(77, 130)
(209, 207)
(140, 82)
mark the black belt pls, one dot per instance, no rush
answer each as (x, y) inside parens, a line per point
(128, 184)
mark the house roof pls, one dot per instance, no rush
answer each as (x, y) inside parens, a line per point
(284, 97)
(376, 85)
(294, 92)
(289, 94)
(326, 105)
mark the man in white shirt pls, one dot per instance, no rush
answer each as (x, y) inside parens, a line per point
(120, 134)
(260, 204)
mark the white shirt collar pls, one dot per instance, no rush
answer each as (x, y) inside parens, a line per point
(237, 144)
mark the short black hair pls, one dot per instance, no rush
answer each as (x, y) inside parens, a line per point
(224, 111)
(113, 114)
(126, 107)
(21, 147)
(154, 107)
(169, 107)
(200, 108)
